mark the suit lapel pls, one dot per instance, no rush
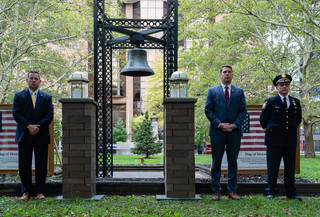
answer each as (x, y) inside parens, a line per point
(222, 94)
(27, 96)
(39, 98)
(292, 102)
(233, 92)
(280, 101)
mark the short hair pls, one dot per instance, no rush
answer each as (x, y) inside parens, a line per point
(33, 72)
(225, 66)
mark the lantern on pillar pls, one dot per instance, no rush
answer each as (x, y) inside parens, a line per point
(178, 85)
(78, 85)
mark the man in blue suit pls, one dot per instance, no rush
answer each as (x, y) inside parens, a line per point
(226, 110)
(280, 117)
(33, 111)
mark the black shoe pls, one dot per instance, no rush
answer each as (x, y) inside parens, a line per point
(270, 196)
(295, 198)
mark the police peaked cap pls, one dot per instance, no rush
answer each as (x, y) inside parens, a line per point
(283, 78)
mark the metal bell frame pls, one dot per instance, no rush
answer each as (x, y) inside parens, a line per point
(104, 43)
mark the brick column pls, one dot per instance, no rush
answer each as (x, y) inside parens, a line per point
(78, 148)
(179, 147)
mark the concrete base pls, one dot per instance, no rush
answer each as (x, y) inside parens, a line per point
(96, 197)
(164, 197)
(124, 148)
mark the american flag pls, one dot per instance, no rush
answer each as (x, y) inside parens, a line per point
(253, 136)
(7, 131)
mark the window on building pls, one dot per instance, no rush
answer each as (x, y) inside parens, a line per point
(119, 111)
(136, 96)
(317, 145)
(136, 10)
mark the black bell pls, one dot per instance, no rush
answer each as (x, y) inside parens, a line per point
(137, 64)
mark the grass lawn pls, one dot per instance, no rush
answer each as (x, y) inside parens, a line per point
(256, 205)
(136, 160)
(250, 205)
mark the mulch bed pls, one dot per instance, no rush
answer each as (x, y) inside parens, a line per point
(248, 178)
(245, 178)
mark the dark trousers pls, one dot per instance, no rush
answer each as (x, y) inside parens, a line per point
(274, 155)
(232, 146)
(25, 166)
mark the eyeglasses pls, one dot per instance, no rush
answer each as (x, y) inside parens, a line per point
(284, 84)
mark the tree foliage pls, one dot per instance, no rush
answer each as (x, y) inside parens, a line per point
(119, 132)
(145, 142)
(153, 97)
(260, 39)
(199, 136)
(46, 36)
(49, 36)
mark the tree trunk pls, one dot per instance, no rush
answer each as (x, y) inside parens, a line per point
(308, 138)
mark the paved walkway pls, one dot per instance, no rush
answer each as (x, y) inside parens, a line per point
(146, 174)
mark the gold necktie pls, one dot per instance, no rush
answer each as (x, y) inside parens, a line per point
(33, 100)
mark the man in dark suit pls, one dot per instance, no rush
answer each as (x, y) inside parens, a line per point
(226, 110)
(33, 111)
(280, 117)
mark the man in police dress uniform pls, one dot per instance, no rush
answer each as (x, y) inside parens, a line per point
(280, 118)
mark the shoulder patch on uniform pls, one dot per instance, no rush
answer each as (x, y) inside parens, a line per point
(265, 104)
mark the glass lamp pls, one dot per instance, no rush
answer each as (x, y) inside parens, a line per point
(178, 85)
(78, 84)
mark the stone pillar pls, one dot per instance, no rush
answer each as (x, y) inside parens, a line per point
(179, 147)
(78, 147)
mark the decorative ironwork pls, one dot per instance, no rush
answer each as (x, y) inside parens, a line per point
(145, 45)
(170, 50)
(135, 23)
(104, 43)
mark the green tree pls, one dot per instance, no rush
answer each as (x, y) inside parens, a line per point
(57, 128)
(215, 44)
(200, 136)
(153, 97)
(260, 39)
(43, 36)
(145, 142)
(119, 132)
(50, 36)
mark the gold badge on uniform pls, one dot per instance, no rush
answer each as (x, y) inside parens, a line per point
(283, 75)
(294, 102)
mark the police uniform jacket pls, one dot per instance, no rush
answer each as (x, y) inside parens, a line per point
(280, 124)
